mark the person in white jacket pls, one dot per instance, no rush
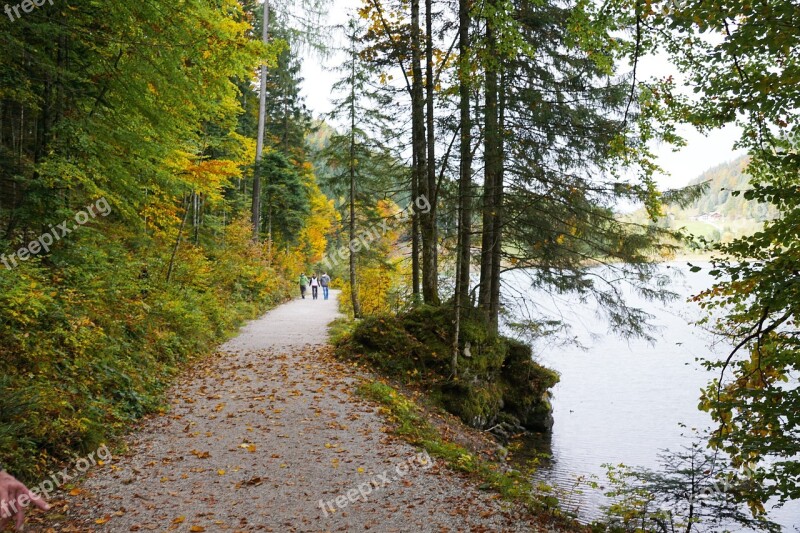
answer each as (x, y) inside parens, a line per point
(314, 287)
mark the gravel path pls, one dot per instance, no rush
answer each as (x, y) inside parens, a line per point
(269, 436)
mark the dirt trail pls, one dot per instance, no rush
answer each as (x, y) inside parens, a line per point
(260, 437)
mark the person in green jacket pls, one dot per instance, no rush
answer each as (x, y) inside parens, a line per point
(303, 285)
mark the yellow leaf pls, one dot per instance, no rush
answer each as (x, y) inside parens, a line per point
(179, 520)
(221, 472)
(197, 528)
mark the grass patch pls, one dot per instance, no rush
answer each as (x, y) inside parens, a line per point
(340, 329)
(411, 424)
(381, 343)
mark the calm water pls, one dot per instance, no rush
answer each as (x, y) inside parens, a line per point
(623, 402)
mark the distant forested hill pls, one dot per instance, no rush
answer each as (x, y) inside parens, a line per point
(718, 214)
(718, 202)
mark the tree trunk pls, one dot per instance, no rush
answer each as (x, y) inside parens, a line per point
(418, 144)
(171, 267)
(415, 252)
(497, 230)
(465, 171)
(353, 278)
(262, 116)
(269, 229)
(430, 267)
(463, 256)
(492, 176)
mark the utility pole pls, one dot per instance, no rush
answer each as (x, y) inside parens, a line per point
(262, 119)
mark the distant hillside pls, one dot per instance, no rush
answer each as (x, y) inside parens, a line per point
(319, 136)
(718, 202)
(718, 214)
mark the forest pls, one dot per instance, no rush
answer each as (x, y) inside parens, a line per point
(162, 180)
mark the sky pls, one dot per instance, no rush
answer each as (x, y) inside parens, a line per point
(700, 154)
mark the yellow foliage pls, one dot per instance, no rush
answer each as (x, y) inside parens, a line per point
(207, 177)
(380, 289)
(210, 177)
(241, 149)
(313, 239)
(160, 211)
(380, 282)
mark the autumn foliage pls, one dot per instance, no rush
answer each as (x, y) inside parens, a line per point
(93, 330)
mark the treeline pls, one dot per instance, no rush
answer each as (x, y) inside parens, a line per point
(127, 142)
(718, 210)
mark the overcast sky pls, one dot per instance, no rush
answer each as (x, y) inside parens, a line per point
(700, 154)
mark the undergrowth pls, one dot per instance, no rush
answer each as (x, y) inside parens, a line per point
(91, 337)
(497, 381)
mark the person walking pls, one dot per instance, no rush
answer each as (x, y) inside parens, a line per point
(314, 287)
(324, 281)
(303, 285)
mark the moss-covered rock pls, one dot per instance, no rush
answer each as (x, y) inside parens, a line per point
(478, 403)
(497, 383)
(528, 383)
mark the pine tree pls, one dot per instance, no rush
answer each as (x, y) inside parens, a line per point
(361, 164)
(554, 129)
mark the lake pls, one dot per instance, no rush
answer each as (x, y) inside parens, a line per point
(624, 401)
